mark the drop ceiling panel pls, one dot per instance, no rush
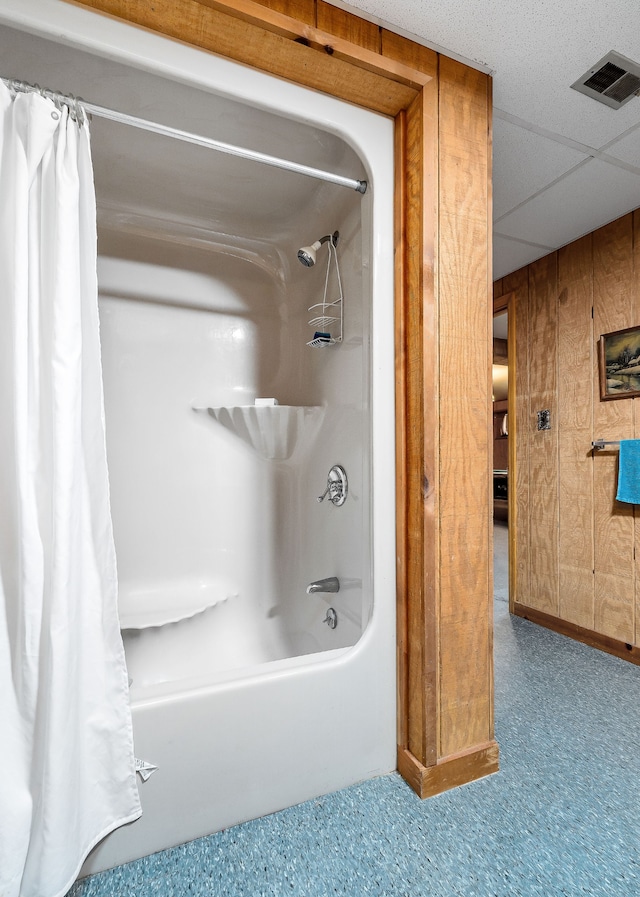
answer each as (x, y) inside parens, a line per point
(552, 104)
(509, 255)
(590, 196)
(535, 51)
(628, 148)
(524, 163)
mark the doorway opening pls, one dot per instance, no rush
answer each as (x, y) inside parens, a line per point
(501, 385)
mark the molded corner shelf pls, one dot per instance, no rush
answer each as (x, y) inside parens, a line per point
(146, 608)
(273, 431)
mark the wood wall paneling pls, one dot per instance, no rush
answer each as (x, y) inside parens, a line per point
(402, 430)
(614, 522)
(543, 446)
(425, 264)
(442, 112)
(348, 27)
(400, 49)
(564, 488)
(303, 10)
(575, 429)
(421, 464)
(614, 606)
(465, 468)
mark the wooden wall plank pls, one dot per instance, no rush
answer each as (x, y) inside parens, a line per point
(422, 686)
(303, 10)
(421, 481)
(577, 596)
(466, 699)
(428, 258)
(402, 227)
(543, 458)
(403, 50)
(614, 523)
(614, 606)
(349, 27)
(465, 341)
(575, 433)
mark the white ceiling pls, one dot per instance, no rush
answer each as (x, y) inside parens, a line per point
(564, 164)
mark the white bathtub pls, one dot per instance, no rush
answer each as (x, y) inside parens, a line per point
(242, 697)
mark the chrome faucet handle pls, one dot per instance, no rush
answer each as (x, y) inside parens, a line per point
(337, 486)
(331, 619)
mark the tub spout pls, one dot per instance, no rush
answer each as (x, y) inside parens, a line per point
(331, 584)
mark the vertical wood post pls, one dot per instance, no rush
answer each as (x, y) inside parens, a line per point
(444, 463)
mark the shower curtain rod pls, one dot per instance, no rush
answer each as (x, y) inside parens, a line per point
(76, 103)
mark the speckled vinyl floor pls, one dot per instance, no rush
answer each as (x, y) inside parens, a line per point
(562, 817)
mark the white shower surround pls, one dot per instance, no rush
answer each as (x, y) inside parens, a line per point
(254, 740)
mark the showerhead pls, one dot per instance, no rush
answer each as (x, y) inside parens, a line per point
(307, 254)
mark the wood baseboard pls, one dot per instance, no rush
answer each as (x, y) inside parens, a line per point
(579, 633)
(450, 772)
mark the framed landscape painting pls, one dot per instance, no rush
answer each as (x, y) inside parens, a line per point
(619, 364)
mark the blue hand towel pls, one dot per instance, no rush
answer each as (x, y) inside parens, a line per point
(629, 471)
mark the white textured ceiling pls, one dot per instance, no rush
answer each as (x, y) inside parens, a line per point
(563, 163)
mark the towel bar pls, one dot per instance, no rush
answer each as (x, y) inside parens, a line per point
(599, 444)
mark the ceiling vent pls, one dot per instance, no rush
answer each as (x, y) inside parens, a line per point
(612, 81)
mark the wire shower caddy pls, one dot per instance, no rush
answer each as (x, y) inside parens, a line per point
(328, 315)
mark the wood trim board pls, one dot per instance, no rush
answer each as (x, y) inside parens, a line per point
(427, 781)
(614, 646)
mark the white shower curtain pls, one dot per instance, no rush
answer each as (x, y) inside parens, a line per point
(67, 774)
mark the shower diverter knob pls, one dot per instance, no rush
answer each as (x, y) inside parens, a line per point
(337, 486)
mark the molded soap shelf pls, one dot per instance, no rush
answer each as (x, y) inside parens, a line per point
(273, 431)
(145, 608)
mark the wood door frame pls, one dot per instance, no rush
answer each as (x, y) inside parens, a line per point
(442, 213)
(507, 302)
